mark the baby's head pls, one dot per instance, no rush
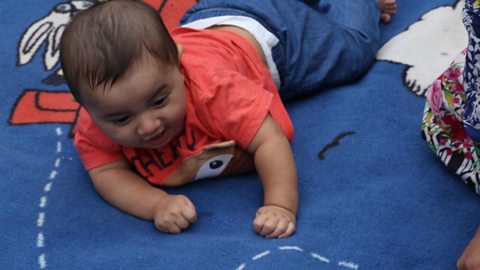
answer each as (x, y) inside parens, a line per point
(103, 42)
(122, 65)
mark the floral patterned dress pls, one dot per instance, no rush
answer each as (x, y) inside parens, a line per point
(451, 120)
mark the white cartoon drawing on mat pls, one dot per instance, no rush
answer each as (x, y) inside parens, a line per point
(49, 29)
(319, 259)
(428, 46)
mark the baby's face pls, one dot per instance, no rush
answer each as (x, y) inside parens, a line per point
(145, 109)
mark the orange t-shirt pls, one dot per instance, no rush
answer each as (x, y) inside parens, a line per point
(229, 93)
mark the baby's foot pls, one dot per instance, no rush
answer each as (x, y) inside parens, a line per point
(388, 8)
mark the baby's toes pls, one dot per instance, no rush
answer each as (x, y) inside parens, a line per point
(385, 17)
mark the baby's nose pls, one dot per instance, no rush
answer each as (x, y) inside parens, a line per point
(148, 126)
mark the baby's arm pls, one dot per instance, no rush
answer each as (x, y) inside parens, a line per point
(126, 190)
(276, 168)
(470, 259)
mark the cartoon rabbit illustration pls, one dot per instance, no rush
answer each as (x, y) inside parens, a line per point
(49, 29)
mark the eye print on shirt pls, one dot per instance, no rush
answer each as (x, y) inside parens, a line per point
(214, 166)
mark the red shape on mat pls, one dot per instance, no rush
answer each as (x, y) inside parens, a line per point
(37, 106)
(171, 10)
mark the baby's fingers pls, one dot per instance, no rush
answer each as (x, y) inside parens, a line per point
(283, 229)
(168, 227)
(175, 225)
(189, 213)
(280, 227)
(274, 222)
(186, 215)
(265, 225)
(258, 223)
(289, 231)
(174, 229)
(181, 223)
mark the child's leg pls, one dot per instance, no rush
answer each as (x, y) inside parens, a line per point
(321, 43)
(338, 44)
(443, 129)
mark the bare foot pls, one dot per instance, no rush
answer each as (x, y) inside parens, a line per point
(388, 8)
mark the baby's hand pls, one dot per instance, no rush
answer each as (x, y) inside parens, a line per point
(174, 213)
(274, 222)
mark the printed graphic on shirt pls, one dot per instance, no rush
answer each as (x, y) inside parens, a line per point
(166, 167)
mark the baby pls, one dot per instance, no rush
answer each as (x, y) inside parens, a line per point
(166, 109)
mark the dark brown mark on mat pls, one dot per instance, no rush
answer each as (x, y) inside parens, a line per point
(335, 142)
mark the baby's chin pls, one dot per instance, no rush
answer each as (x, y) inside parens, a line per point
(151, 146)
(142, 145)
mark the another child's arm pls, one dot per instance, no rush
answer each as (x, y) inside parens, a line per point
(129, 192)
(470, 259)
(276, 167)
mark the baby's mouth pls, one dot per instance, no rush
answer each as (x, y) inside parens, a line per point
(158, 138)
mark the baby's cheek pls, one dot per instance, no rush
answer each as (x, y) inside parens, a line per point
(125, 137)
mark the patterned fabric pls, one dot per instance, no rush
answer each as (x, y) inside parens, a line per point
(451, 119)
(471, 19)
(443, 127)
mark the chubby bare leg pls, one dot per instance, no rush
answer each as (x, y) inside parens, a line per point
(388, 8)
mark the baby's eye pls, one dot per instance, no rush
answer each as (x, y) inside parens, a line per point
(121, 120)
(160, 102)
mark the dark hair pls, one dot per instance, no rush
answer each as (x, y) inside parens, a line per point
(103, 42)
